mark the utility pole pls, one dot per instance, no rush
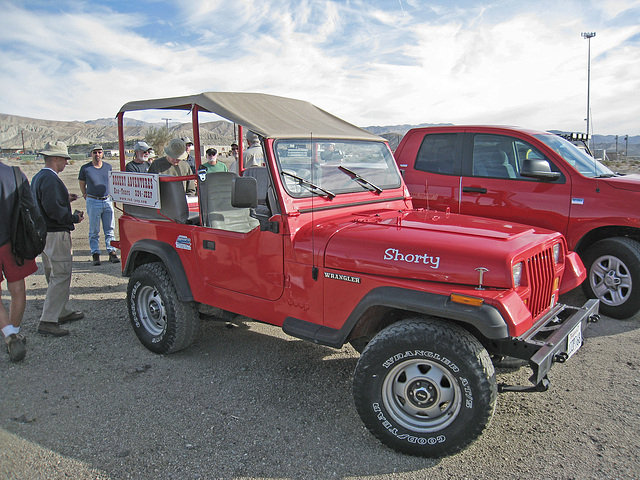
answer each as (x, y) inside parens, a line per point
(167, 121)
(617, 154)
(588, 36)
(626, 148)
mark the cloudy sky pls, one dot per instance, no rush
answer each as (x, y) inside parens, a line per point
(371, 62)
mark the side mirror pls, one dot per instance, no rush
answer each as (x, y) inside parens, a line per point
(244, 192)
(538, 168)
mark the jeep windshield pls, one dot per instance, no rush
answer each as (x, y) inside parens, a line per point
(577, 158)
(336, 166)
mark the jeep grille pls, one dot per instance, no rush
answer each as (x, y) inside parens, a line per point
(540, 273)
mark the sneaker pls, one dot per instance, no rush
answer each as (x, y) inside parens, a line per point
(113, 258)
(72, 317)
(15, 347)
(49, 328)
(96, 259)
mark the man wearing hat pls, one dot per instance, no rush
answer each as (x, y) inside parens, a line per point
(54, 202)
(191, 159)
(174, 164)
(94, 185)
(140, 162)
(253, 156)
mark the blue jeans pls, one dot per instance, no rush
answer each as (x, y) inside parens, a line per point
(100, 211)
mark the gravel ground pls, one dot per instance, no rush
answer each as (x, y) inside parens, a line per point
(247, 401)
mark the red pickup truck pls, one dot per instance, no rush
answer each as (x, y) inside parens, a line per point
(539, 179)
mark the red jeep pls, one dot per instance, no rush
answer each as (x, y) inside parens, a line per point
(537, 179)
(323, 241)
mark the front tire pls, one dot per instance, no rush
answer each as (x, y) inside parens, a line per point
(425, 387)
(162, 322)
(613, 272)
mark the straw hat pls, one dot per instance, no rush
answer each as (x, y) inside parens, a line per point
(176, 149)
(55, 149)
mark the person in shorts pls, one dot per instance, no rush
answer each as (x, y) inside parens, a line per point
(11, 270)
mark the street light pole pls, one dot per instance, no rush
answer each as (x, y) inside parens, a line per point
(588, 36)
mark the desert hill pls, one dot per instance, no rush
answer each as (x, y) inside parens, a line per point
(30, 134)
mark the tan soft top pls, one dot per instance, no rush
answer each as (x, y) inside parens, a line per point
(268, 115)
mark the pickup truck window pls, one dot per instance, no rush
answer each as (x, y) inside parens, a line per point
(501, 156)
(578, 159)
(313, 167)
(437, 153)
(494, 156)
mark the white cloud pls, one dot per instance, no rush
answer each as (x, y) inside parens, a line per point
(368, 62)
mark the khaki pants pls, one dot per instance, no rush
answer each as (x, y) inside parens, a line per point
(57, 260)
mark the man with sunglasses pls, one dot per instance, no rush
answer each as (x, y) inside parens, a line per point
(94, 185)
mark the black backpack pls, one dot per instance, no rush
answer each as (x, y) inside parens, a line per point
(28, 228)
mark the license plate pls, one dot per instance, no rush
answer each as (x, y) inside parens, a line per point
(574, 340)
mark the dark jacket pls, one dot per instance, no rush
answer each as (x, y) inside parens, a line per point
(52, 198)
(7, 200)
(141, 167)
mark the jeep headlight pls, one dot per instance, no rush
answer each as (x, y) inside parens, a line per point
(557, 250)
(517, 274)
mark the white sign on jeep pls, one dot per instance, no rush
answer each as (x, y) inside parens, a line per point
(135, 188)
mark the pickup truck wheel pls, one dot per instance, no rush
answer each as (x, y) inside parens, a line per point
(425, 387)
(613, 272)
(162, 322)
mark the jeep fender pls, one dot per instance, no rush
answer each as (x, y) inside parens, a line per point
(485, 319)
(147, 251)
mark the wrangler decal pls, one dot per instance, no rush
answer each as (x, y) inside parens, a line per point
(344, 278)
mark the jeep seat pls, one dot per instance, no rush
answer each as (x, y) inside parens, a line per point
(215, 197)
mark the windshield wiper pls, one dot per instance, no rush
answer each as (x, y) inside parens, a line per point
(361, 180)
(312, 187)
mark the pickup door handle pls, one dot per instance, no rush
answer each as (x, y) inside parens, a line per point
(474, 190)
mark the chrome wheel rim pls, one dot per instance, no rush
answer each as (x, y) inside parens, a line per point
(151, 310)
(421, 395)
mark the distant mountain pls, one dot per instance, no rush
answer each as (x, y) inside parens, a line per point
(401, 129)
(34, 133)
(128, 122)
(16, 131)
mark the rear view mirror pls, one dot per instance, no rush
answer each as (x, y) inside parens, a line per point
(538, 168)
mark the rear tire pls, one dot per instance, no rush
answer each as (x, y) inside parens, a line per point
(425, 387)
(613, 276)
(161, 321)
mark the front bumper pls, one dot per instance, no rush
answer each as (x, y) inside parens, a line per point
(547, 341)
